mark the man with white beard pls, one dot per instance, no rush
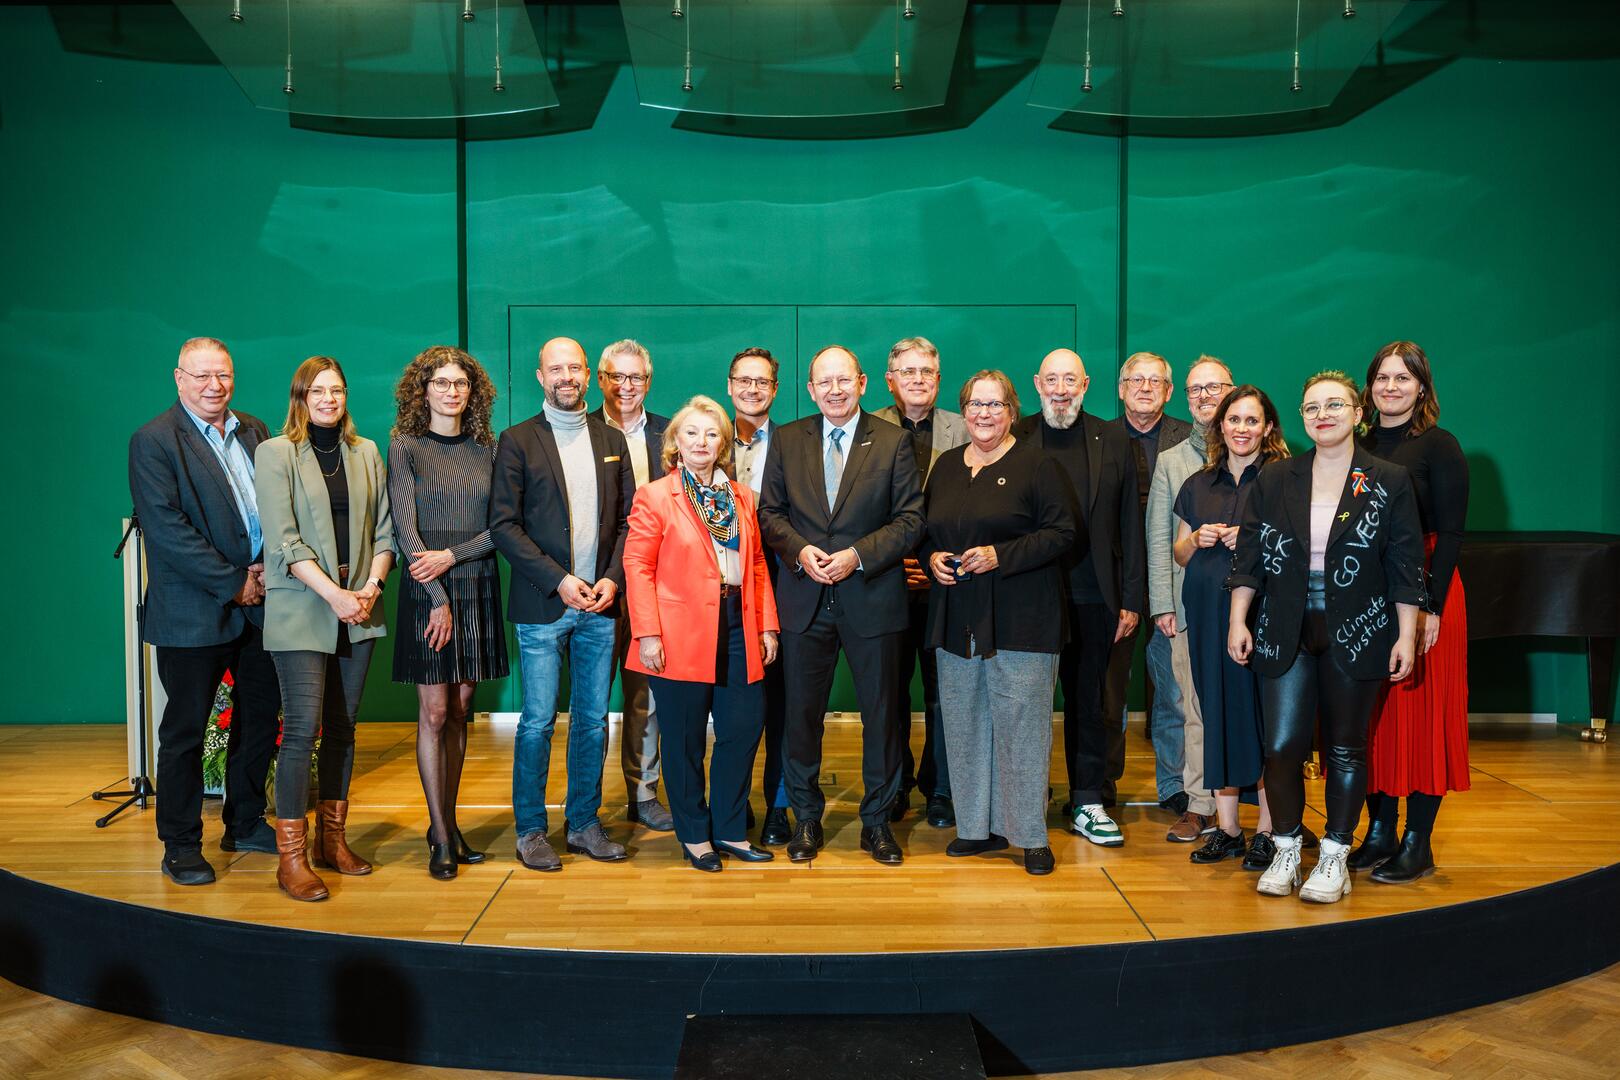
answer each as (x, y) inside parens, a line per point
(1105, 571)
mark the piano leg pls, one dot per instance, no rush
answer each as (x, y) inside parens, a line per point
(1600, 685)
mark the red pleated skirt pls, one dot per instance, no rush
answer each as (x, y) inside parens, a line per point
(1419, 735)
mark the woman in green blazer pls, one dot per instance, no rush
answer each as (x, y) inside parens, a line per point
(328, 545)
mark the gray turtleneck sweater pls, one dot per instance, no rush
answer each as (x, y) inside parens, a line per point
(579, 476)
(1171, 471)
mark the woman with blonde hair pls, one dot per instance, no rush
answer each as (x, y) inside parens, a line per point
(328, 545)
(451, 633)
(703, 627)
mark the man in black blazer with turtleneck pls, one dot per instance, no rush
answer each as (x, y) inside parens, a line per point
(841, 503)
(191, 476)
(1106, 572)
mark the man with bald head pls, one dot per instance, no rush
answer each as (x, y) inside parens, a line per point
(191, 475)
(1105, 574)
(841, 503)
(557, 510)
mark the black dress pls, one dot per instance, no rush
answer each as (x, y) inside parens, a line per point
(1228, 692)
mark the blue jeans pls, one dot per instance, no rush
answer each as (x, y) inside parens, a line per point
(587, 639)
(1168, 736)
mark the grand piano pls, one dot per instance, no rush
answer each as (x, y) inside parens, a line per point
(1549, 584)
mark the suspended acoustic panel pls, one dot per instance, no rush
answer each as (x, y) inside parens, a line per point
(792, 57)
(378, 59)
(1192, 58)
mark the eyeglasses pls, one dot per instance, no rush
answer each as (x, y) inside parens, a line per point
(444, 386)
(321, 393)
(1209, 389)
(912, 374)
(1136, 382)
(224, 378)
(1330, 409)
(842, 382)
(751, 382)
(994, 408)
(1245, 422)
(619, 378)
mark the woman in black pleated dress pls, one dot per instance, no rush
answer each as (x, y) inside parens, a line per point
(451, 635)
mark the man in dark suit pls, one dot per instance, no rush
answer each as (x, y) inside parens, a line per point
(557, 509)
(624, 374)
(1106, 572)
(842, 505)
(1145, 384)
(191, 475)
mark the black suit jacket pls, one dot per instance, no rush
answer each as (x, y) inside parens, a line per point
(529, 519)
(653, 433)
(1374, 561)
(1113, 514)
(197, 548)
(878, 513)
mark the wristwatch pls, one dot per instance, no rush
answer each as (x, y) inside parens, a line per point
(377, 581)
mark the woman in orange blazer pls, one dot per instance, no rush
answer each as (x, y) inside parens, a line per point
(702, 626)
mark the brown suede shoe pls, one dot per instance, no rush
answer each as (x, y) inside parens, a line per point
(293, 874)
(331, 845)
(1189, 827)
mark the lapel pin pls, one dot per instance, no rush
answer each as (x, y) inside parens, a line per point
(1345, 516)
(1358, 480)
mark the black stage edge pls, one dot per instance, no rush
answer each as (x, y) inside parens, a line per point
(554, 1011)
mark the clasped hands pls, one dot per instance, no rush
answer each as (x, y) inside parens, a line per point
(353, 606)
(651, 649)
(975, 560)
(251, 592)
(1207, 536)
(825, 568)
(582, 597)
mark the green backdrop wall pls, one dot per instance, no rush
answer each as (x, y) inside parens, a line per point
(144, 201)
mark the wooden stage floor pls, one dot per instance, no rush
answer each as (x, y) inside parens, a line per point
(1543, 807)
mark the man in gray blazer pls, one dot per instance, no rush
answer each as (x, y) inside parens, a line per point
(625, 374)
(1208, 381)
(191, 476)
(913, 379)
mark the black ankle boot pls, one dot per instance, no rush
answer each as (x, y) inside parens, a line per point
(1413, 861)
(441, 860)
(1379, 845)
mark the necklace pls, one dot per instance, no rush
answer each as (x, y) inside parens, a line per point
(337, 462)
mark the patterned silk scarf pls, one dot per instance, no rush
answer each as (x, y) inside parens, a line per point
(715, 508)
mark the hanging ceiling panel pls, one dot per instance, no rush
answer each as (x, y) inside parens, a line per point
(1192, 58)
(792, 57)
(377, 59)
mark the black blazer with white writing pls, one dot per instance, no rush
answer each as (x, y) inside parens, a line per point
(1374, 561)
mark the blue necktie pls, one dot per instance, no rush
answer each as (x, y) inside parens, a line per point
(835, 466)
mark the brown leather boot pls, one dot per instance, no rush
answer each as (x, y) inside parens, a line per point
(331, 846)
(293, 874)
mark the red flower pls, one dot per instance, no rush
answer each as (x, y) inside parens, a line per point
(224, 721)
(229, 679)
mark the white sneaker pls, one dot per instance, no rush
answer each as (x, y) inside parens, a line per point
(1330, 881)
(1282, 876)
(1092, 822)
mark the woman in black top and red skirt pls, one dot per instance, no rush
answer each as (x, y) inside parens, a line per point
(1329, 544)
(1418, 744)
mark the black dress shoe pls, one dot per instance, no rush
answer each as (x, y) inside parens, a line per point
(959, 847)
(258, 837)
(1379, 845)
(1262, 849)
(777, 831)
(1038, 861)
(1220, 845)
(463, 851)
(941, 814)
(708, 862)
(881, 843)
(187, 868)
(1413, 861)
(902, 802)
(1176, 804)
(441, 861)
(745, 851)
(807, 840)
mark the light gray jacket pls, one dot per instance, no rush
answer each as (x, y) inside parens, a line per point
(1164, 575)
(950, 430)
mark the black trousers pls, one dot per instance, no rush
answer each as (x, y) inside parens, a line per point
(190, 677)
(809, 661)
(1290, 705)
(1116, 685)
(683, 727)
(933, 773)
(1090, 729)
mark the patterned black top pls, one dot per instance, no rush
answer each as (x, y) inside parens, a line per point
(439, 487)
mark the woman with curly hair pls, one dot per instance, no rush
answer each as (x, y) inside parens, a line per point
(451, 635)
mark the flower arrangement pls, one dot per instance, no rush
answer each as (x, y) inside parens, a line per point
(216, 739)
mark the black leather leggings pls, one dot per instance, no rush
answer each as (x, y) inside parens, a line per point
(1290, 704)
